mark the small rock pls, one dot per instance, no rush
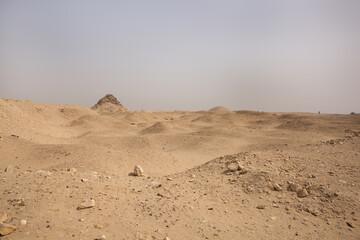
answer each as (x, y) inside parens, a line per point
(98, 226)
(84, 180)
(72, 170)
(350, 224)
(169, 179)
(260, 206)
(166, 238)
(9, 169)
(22, 202)
(302, 193)
(138, 171)
(3, 218)
(93, 173)
(277, 187)
(294, 187)
(232, 167)
(86, 204)
(23, 222)
(43, 173)
(101, 238)
(6, 229)
(156, 184)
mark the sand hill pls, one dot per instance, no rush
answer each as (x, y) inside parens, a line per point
(108, 104)
(66, 172)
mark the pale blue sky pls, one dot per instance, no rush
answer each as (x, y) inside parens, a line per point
(190, 55)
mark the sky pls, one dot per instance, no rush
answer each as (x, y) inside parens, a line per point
(261, 55)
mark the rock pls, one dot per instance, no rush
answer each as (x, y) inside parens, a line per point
(277, 187)
(138, 171)
(72, 170)
(43, 173)
(156, 184)
(98, 226)
(260, 206)
(302, 193)
(93, 173)
(23, 222)
(3, 218)
(9, 169)
(166, 238)
(101, 238)
(350, 224)
(84, 179)
(293, 187)
(232, 167)
(21, 202)
(6, 229)
(86, 204)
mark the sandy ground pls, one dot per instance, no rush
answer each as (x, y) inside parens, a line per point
(296, 176)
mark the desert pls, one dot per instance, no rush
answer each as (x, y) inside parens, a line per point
(70, 172)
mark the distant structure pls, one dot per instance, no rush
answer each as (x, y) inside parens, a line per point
(219, 109)
(108, 104)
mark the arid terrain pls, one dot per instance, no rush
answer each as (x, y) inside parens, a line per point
(216, 174)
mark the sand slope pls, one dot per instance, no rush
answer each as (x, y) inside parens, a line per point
(188, 192)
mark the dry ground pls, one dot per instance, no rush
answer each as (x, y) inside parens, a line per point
(187, 192)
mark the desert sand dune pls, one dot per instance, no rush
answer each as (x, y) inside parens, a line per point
(215, 174)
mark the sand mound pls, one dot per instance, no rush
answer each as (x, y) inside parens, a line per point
(220, 109)
(156, 128)
(108, 104)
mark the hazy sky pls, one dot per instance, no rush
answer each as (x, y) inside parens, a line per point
(185, 55)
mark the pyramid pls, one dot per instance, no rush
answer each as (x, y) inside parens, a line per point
(220, 109)
(108, 104)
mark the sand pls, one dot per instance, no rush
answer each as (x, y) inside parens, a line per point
(298, 176)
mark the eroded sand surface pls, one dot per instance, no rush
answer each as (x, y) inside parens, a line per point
(62, 155)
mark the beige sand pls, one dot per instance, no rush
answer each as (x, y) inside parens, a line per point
(64, 156)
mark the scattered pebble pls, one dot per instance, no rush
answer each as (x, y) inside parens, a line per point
(86, 204)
